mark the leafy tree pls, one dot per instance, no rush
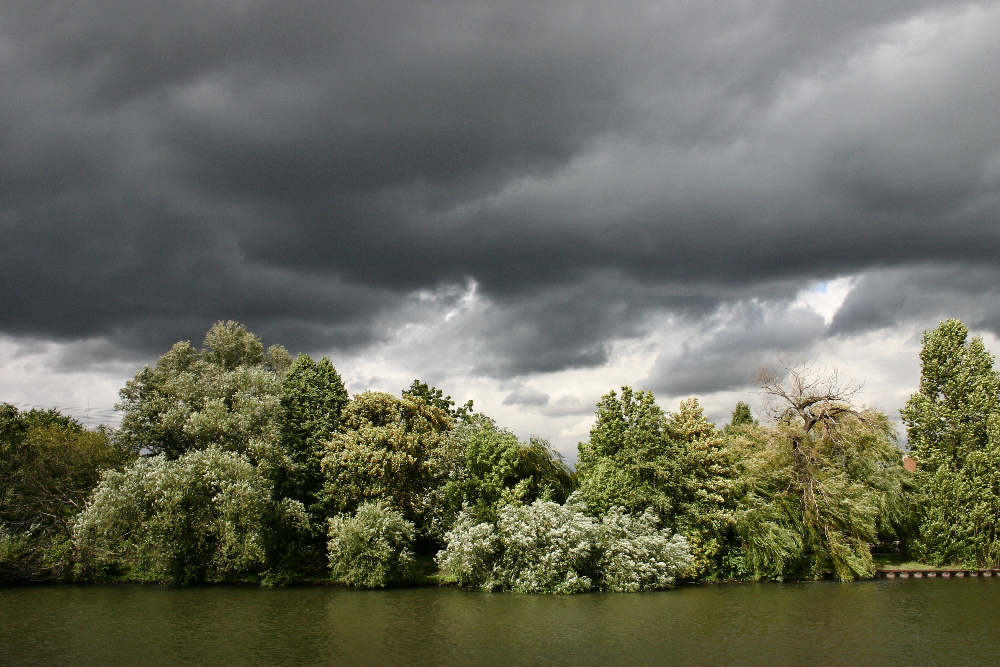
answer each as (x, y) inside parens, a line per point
(640, 458)
(436, 398)
(312, 397)
(820, 485)
(705, 503)
(225, 395)
(49, 463)
(952, 428)
(742, 417)
(203, 517)
(493, 468)
(386, 449)
(373, 548)
(630, 460)
(959, 391)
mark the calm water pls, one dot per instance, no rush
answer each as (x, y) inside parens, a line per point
(926, 621)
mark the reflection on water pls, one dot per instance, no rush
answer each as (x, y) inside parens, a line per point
(878, 622)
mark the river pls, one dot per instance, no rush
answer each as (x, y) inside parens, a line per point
(929, 621)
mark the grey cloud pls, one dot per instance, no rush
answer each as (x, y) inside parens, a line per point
(527, 397)
(922, 296)
(308, 168)
(569, 406)
(732, 347)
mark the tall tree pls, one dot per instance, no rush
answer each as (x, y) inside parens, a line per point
(953, 427)
(312, 397)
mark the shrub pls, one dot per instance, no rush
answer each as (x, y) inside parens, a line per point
(372, 548)
(202, 517)
(636, 555)
(549, 548)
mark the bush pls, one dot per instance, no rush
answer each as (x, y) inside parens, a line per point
(202, 517)
(636, 555)
(372, 548)
(549, 548)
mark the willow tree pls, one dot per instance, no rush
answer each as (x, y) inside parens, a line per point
(953, 426)
(822, 483)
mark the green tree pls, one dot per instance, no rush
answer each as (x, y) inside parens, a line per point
(49, 464)
(640, 458)
(386, 449)
(490, 467)
(225, 395)
(951, 428)
(373, 548)
(630, 460)
(312, 397)
(820, 485)
(741, 417)
(203, 517)
(436, 398)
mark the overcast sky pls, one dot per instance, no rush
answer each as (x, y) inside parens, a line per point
(524, 203)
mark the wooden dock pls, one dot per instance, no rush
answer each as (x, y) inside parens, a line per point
(943, 573)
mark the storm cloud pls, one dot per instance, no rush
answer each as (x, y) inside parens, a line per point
(336, 174)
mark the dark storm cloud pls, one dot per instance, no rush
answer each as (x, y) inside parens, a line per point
(733, 346)
(308, 168)
(923, 295)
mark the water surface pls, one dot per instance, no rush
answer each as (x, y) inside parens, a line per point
(929, 621)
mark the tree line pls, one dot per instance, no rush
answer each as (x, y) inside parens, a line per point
(238, 463)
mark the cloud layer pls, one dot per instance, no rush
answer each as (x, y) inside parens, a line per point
(521, 190)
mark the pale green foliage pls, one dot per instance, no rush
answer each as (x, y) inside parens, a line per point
(953, 426)
(372, 548)
(539, 548)
(550, 548)
(225, 395)
(636, 555)
(814, 499)
(386, 448)
(201, 517)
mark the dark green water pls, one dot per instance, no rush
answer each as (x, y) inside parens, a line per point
(926, 621)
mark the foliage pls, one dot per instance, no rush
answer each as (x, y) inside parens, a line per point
(312, 397)
(372, 548)
(492, 468)
(741, 417)
(640, 458)
(49, 463)
(550, 548)
(202, 517)
(436, 398)
(630, 460)
(636, 555)
(226, 395)
(952, 427)
(386, 449)
(820, 485)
